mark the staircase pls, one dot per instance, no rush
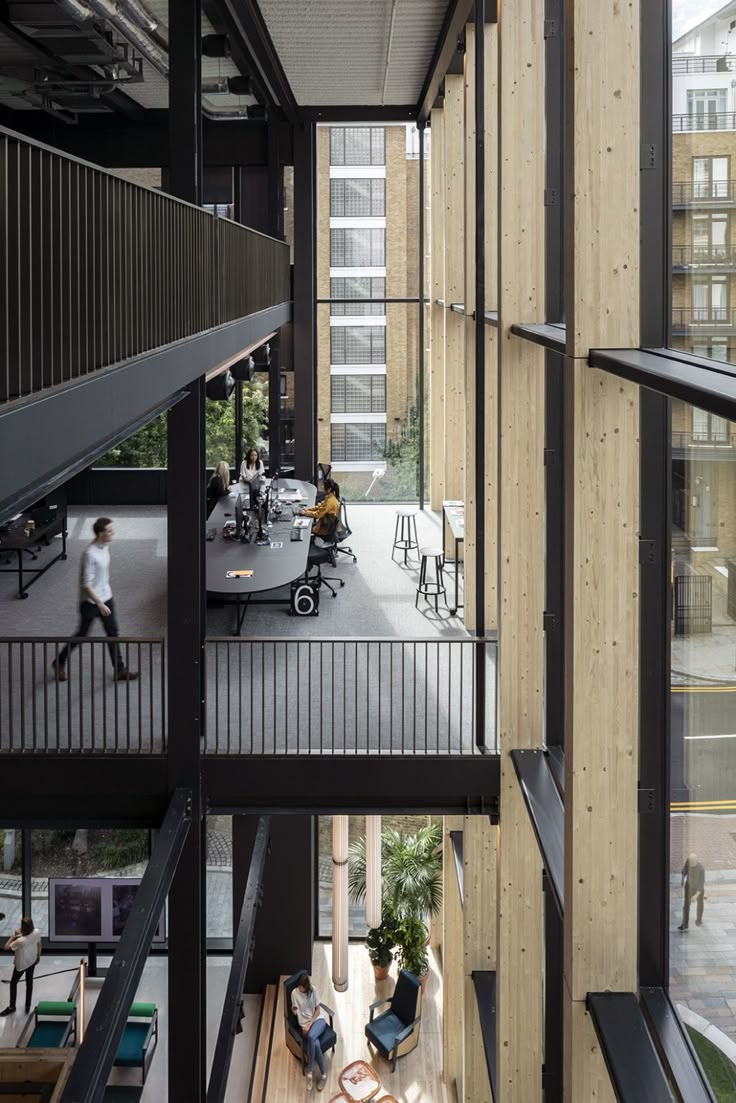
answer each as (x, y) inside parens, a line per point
(259, 1079)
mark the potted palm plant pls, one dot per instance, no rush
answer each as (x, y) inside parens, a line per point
(411, 868)
(380, 942)
(412, 950)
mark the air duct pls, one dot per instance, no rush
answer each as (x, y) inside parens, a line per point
(129, 18)
(215, 45)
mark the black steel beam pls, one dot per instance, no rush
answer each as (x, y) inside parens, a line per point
(445, 51)
(46, 789)
(542, 799)
(420, 318)
(484, 983)
(232, 1007)
(478, 231)
(94, 1059)
(244, 17)
(120, 143)
(678, 377)
(185, 100)
(456, 840)
(222, 22)
(554, 986)
(380, 114)
(631, 1059)
(675, 1046)
(362, 783)
(75, 421)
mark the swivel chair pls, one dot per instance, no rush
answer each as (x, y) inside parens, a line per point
(323, 550)
(343, 531)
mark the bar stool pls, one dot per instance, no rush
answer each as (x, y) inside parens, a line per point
(431, 587)
(406, 525)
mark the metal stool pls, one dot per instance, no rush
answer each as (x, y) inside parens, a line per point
(406, 520)
(431, 587)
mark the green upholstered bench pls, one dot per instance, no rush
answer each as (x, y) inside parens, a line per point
(139, 1038)
(51, 1025)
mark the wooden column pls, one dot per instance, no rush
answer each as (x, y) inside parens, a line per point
(469, 565)
(454, 428)
(491, 334)
(601, 527)
(437, 313)
(453, 986)
(479, 945)
(520, 541)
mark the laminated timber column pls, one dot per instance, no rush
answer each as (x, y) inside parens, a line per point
(490, 74)
(437, 313)
(453, 990)
(519, 981)
(479, 945)
(601, 527)
(454, 432)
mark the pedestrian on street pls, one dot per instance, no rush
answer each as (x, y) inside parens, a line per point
(693, 882)
(25, 945)
(95, 600)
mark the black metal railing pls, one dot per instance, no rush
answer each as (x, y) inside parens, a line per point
(685, 192)
(704, 120)
(704, 440)
(89, 712)
(347, 696)
(717, 316)
(684, 64)
(715, 256)
(693, 604)
(96, 269)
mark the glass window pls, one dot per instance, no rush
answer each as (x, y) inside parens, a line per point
(357, 145)
(219, 877)
(706, 108)
(358, 394)
(702, 868)
(710, 177)
(357, 287)
(11, 864)
(358, 198)
(362, 442)
(358, 345)
(357, 248)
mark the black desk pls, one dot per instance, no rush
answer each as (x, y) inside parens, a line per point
(453, 514)
(14, 539)
(272, 567)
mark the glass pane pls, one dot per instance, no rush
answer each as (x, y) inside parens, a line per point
(704, 197)
(702, 867)
(219, 877)
(11, 905)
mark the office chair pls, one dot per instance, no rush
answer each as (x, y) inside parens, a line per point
(342, 531)
(322, 473)
(324, 552)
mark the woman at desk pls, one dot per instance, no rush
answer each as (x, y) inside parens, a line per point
(218, 486)
(329, 506)
(251, 467)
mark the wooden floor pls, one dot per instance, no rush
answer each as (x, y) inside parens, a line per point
(418, 1074)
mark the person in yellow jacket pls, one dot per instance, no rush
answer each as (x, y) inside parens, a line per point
(329, 506)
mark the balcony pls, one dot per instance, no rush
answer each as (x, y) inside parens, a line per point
(686, 64)
(706, 319)
(703, 193)
(721, 441)
(722, 257)
(703, 121)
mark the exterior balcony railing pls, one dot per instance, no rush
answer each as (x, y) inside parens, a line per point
(703, 440)
(705, 317)
(686, 193)
(687, 64)
(706, 120)
(98, 270)
(714, 256)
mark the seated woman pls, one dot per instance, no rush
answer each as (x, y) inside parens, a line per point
(330, 505)
(218, 486)
(251, 467)
(305, 1005)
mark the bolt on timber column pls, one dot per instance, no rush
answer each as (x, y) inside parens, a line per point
(601, 528)
(519, 1052)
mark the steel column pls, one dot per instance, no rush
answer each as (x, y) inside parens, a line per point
(185, 99)
(305, 330)
(553, 982)
(420, 327)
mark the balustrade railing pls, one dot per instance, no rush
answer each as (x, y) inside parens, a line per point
(716, 256)
(703, 120)
(685, 192)
(96, 269)
(706, 316)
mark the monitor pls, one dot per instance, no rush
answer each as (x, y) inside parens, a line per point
(93, 909)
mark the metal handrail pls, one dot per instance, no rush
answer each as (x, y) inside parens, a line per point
(706, 120)
(703, 191)
(685, 255)
(684, 64)
(702, 316)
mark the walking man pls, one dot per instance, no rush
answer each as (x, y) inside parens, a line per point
(95, 600)
(25, 945)
(693, 882)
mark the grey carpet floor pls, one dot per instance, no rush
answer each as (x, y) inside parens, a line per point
(300, 691)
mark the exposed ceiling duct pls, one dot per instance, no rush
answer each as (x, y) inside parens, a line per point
(129, 18)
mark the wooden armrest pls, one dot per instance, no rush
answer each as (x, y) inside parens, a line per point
(378, 1003)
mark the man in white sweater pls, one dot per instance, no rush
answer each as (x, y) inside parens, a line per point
(95, 600)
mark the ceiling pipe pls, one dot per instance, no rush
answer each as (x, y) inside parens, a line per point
(138, 14)
(115, 13)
